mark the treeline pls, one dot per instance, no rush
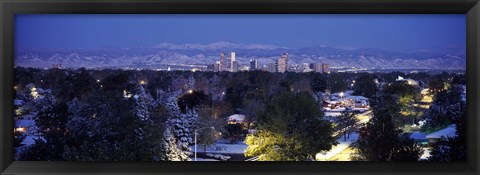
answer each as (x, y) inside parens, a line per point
(126, 115)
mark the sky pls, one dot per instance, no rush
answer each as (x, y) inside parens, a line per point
(390, 32)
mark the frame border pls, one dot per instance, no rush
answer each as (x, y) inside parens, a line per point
(8, 9)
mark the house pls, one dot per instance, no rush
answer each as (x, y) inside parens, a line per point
(419, 137)
(408, 80)
(237, 118)
(434, 137)
(358, 101)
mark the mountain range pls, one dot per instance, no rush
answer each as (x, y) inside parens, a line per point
(204, 54)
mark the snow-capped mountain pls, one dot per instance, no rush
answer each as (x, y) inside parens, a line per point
(204, 54)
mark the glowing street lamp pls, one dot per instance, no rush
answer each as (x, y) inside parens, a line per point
(142, 82)
(196, 139)
(190, 91)
(341, 96)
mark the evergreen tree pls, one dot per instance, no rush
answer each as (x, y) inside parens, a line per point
(445, 104)
(168, 150)
(380, 140)
(51, 121)
(365, 86)
(453, 148)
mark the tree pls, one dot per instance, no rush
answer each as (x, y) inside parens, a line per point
(291, 128)
(407, 96)
(211, 123)
(443, 107)
(51, 121)
(168, 150)
(318, 83)
(380, 140)
(365, 86)
(192, 100)
(346, 121)
(336, 82)
(234, 131)
(454, 148)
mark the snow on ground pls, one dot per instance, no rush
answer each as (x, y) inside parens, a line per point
(426, 153)
(333, 114)
(202, 159)
(224, 148)
(338, 148)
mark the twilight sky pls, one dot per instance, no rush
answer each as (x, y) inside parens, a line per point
(390, 32)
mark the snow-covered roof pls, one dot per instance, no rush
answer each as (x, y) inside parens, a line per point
(18, 102)
(25, 123)
(333, 102)
(450, 131)
(357, 97)
(30, 140)
(237, 118)
(417, 135)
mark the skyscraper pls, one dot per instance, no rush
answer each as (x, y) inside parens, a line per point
(325, 68)
(232, 60)
(216, 66)
(285, 55)
(281, 64)
(222, 62)
(253, 65)
(316, 67)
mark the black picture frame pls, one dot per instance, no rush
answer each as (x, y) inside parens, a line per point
(8, 9)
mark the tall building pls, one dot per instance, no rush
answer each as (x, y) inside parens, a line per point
(316, 67)
(253, 64)
(270, 67)
(232, 60)
(235, 66)
(217, 66)
(325, 68)
(285, 56)
(281, 65)
(222, 62)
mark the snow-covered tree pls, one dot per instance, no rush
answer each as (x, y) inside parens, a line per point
(168, 150)
(182, 125)
(144, 102)
(191, 82)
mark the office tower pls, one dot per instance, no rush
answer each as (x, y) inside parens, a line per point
(325, 68)
(217, 66)
(316, 67)
(281, 64)
(222, 62)
(285, 56)
(253, 65)
(271, 67)
(235, 66)
(232, 60)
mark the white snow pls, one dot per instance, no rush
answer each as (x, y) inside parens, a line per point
(202, 159)
(356, 98)
(224, 148)
(337, 148)
(25, 123)
(17, 102)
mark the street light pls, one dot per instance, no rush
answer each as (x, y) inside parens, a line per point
(196, 139)
(341, 96)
